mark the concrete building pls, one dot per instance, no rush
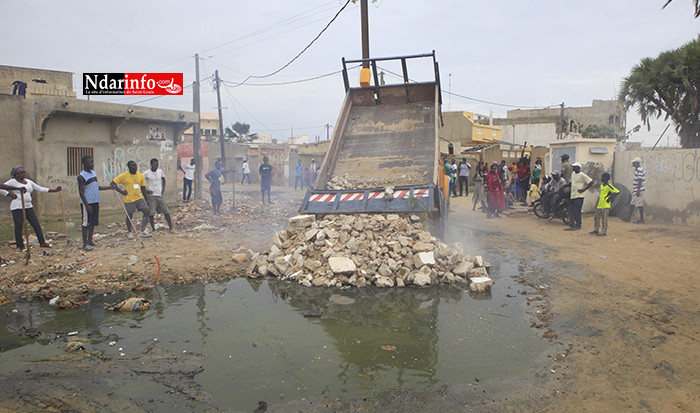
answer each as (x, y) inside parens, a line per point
(467, 129)
(541, 126)
(208, 125)
(49, 131)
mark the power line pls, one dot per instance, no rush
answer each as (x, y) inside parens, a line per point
(303, 50)
(244, 109)
(273, 26)
(234, 84)
(474, 99)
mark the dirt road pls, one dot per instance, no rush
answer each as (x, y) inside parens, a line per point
(626, 306)
(201, 250)
(624, 309)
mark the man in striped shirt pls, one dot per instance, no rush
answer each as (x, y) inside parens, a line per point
(637, 191)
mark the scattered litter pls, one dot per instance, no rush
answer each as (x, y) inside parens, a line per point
(389, 348)
(54, 300)
(133, 259)
(72, 333)
(130, 304)
(313, 314)
(111, 343)
(203, 227)
(603, 257)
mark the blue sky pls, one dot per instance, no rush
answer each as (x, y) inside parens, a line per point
(509, 52)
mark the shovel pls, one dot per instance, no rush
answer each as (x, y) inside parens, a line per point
(27, 255)
(143, 245)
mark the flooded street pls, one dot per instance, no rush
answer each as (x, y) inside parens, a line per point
(227, 346)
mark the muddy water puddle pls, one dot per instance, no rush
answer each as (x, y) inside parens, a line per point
(228, 346)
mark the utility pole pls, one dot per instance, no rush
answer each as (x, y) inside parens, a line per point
(561, 122)
(217, 83)
(197, 133)
(364, 12)
(381, 79)
(328, 132)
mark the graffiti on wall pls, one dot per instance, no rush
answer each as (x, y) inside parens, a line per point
(112, 167)
(682, 165)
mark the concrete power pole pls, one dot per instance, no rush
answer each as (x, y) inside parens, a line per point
(328, 132)
(561, 122)
(364, 12)
(197, 133)
(217, 82)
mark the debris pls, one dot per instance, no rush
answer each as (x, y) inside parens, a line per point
(388, 348)
(203, 227)
(385, 250)
(313, 314)
(130, 304)
(480, 284)
(133, 259)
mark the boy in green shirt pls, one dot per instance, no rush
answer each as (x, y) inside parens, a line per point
(607, 194)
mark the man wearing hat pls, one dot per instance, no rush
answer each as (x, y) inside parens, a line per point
(637, 191)
(580, 183)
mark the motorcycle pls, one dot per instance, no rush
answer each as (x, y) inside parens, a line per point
(559, 210)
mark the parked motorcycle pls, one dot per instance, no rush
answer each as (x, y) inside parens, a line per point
(559, 210)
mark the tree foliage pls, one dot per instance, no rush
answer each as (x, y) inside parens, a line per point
(608, 132)
(668, 85)
(239, 132)
(697, 7)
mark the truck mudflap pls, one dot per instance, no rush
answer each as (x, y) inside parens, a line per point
(419, 198)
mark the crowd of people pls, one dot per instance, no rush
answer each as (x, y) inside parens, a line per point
(495, 188)
(498, 186)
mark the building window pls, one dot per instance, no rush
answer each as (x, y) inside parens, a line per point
(611, 119)
(494, 132)
(75, 159)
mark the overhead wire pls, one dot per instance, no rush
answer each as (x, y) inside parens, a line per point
(473, 99)
(303, 50)
(273, 26)
(237, 84)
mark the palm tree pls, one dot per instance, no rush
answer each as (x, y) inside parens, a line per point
(239, 132)
(668, 85)
(697, 7)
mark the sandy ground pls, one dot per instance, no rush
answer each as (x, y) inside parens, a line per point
(626, 308)
(202, 249)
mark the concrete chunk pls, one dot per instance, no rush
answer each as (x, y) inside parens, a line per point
(422, 247)
(341, 265)
(480, 284)
(423, 258)
(301, 221)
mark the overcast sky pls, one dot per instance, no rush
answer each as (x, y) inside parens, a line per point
(522, 53)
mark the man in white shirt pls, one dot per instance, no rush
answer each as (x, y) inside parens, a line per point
(155, 182)
(187, 180)
(580, 183)
(245, 170)
(464, 168)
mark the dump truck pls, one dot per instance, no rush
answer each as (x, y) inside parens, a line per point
(384, 153)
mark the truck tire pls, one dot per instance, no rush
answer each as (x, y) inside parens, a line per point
(621, 201)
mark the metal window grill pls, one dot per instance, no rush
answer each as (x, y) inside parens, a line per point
(75, 159)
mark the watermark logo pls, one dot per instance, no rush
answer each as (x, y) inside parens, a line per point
(132, 84)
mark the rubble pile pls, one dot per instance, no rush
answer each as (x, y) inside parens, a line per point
(366, 249)
(352, 181)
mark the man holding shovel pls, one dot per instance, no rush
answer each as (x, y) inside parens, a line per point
(89, 191)
(134, 196)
